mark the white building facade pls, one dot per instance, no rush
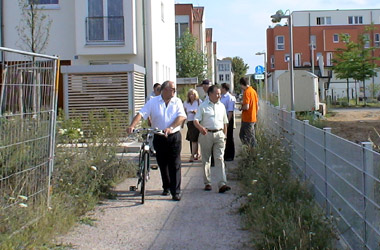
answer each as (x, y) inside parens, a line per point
(103, 32)
(225, 74)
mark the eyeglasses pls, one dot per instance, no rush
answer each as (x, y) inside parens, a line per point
(171, 89)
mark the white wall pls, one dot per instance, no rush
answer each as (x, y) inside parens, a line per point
(161, 64)
(63, 24)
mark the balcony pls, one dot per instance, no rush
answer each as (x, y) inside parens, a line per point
(107, 30)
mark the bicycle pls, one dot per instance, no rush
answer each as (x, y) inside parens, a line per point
(146, 150)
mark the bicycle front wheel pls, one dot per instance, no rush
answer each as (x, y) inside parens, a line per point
(144, 176)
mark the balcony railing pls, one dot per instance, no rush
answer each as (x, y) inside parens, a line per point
(108, 29)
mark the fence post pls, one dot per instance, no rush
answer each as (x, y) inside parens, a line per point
(305, 123)
(325, 132)
(367, 182)
(291, 132)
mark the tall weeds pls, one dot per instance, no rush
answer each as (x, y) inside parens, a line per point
(280, 210)
(86, 168)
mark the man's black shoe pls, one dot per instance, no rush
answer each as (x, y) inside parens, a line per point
(224, 188)
(228, 159)
(176, 197)
(166, 192)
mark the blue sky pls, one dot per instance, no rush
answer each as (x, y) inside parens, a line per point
(239, 26)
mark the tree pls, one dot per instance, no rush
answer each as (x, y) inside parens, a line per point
(34, 27)
(190, 61)
(240, 70)
(344, 65)
(356, 60)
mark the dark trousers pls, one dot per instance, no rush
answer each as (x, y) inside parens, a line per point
(168, 155)
(229, 151)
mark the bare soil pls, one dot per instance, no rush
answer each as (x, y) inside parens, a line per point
(356, 125)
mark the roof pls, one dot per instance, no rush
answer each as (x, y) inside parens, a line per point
(198, 14)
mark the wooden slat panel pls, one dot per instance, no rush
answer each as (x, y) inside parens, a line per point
(91, 92)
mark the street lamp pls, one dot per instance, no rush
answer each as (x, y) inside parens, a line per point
(275, 19)
(265, 73)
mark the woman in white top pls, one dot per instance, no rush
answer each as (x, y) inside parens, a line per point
(191, 105)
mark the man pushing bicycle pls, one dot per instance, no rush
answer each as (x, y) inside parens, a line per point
(167, 114)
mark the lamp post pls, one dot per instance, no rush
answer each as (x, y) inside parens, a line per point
(265, 73)
(275, 19)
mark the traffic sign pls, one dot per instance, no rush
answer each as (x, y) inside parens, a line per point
(259, 69)
(259, 76)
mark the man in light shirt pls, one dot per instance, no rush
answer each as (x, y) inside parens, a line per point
(166, 113)
(229, 102)
(211, 120)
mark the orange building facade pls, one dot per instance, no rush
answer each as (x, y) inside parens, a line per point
(320, 31)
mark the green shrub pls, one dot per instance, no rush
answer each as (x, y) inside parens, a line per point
(279, 210)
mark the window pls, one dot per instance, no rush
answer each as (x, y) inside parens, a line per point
(44, 1)
(319, 54)
(221, 77)
(367, 41)
(286, 57)
(280, 43)
(221, 67)
(272, 62)
(105, 22)
(227, 77)
(46, 4)
(181, 26)
(336, 38)
(329, 56)
(323, 20)
(228, 68)
(376, 40)
(297, 60)
(355, 20)
(313, 40)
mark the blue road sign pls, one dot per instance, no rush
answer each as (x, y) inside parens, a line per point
(259, 69)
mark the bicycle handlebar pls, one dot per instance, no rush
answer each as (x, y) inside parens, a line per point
(149, 130)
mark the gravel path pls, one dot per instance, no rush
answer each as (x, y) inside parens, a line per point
(201, 220)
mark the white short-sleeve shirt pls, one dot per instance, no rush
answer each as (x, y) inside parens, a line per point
(190, 108)
(163, 116)
(212, 115)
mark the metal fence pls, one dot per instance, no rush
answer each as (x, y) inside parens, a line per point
(28, 97)
(345, 176)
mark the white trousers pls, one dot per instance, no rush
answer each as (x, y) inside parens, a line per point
(213, 143)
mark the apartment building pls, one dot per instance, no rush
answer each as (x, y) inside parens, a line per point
(188, 17)
(316, 36)
(106, 37)
(225, 74)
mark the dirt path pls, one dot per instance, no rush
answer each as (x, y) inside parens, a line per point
(201, 220)
(356, 125)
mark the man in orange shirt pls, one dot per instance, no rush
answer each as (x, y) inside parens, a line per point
(249, 107)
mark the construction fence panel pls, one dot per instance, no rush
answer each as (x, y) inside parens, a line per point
(344, 176)
(28, 98)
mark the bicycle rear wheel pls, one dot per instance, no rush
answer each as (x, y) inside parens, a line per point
(144, 176)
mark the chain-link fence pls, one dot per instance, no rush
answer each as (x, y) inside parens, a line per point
(345, 175)
(28, 97)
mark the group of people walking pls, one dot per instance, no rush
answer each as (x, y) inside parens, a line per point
(210, 124)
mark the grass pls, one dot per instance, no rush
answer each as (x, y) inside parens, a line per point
(82, 177)
(279, 210)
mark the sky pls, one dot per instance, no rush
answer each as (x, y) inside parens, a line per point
(239, 26)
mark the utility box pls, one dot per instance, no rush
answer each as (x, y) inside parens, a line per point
(306, 96)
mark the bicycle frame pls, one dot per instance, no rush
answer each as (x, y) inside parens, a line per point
(144, 159)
